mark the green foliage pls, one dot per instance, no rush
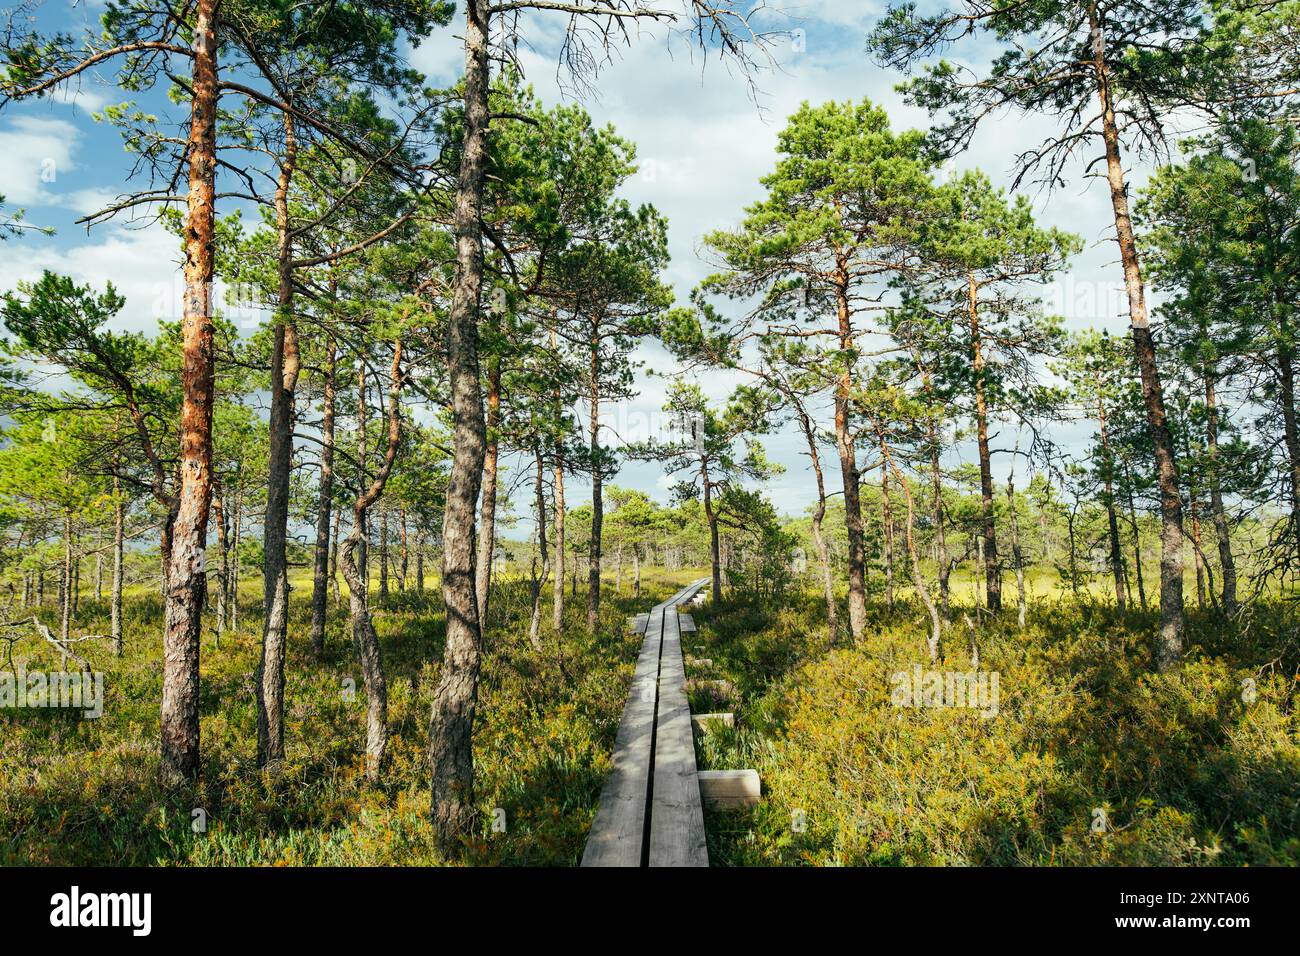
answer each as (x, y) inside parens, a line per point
(1192, 767)
(83, 792)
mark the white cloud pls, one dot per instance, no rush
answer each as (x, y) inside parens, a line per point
(34, 153)
(143, 265)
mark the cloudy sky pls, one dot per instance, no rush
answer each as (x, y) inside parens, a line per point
(703, 143)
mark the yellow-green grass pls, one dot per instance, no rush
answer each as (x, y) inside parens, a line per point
(83, 791)
(1092, 758)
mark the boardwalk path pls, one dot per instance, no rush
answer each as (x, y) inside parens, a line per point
(650, 812)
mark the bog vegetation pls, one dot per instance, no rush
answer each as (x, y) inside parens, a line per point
(346, 535)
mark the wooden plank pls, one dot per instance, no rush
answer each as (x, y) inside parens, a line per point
(686, 622)
(618, 831)
(705, 722)
(638, 623)
(618, 834)
(718, 689)
(676, 813)
(729, 789)
(699, 662)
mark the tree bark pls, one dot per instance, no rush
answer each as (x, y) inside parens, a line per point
(1112, 519)
(597, 491)
(857, 557)
(324, 506)
(1137, 547)
(334, 558)
(405, 548)
(539, 579)
(237, 525)
(185, 577)
(941, 540)
(488, 512)
(384, 554)
(285, 364)
(992, 573)
(364, 639)
(557, 595)
(452, 722)
(66, 584)
(819, 514)
(715, 556)
(1290, 430)
(1227, 565)
(223, 570)
(887, 533)
(119, 535)
(923, 592)
(1017, 557)
(1169, 646)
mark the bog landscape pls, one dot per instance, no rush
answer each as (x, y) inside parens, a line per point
(649, 432)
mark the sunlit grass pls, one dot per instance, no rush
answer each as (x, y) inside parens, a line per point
(75, 791)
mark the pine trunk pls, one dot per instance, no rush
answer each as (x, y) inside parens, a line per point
(488, 511)
(992, 573)
(119, 541)
(185, 576)
(452, 723)
(887, 532)
(1112, 519)
(849, 474)
(285, 364)
(1169, 645)
(324, 506)
(1227, 565)
(597, 495)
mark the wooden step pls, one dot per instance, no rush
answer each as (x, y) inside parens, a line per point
(704, 722)
(730, 789)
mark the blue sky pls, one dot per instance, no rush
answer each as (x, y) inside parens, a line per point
(702, 142)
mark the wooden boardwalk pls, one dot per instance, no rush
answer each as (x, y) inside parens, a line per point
(650, 812)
